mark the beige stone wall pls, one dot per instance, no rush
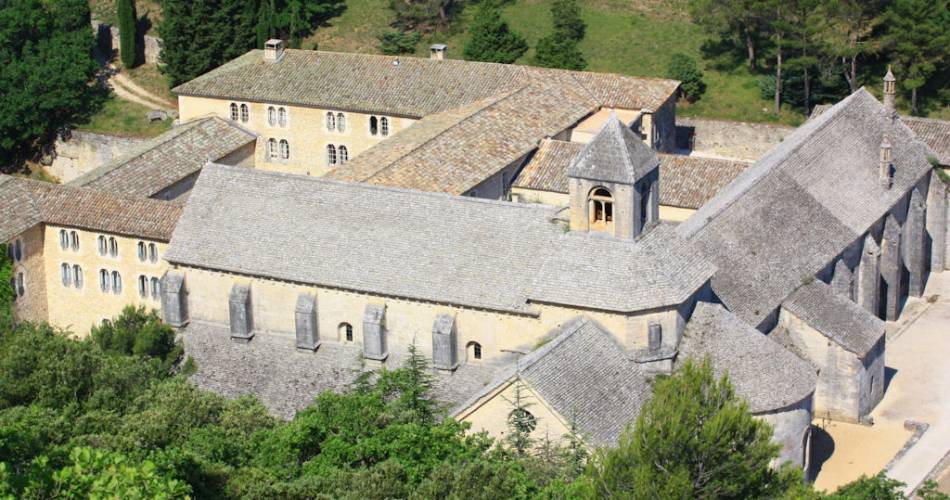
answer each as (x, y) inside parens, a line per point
(32, 305)
(490, 413)
(669, 214)
(306, 132)
(79, 308)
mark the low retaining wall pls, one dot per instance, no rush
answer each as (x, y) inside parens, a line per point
(720, 138)
(77, 152)
(108, 39)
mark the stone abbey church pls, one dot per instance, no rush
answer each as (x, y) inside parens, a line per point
(317, 213)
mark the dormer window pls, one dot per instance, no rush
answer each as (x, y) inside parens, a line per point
(601, 209)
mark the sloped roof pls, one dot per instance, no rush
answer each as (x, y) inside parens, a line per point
(403, 86)
(585, 376)
(685, 181)
(453, 151)
(935, 133)
(787, 216)
(615, 154)
(836, 317)
(33, 202)
(763, 372)
(412, 244)
(164, 160)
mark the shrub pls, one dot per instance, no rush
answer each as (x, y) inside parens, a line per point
(395, 42)
(684, 69)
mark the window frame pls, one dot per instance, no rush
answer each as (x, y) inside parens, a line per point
(63, 239)
(18, 250)
(113, 247)
(330, 121)
(245, 113)
(152, 253)
(331, 155)
(284, 149)
(283, 117)
(340, 123)
(234, 113)
(156, 287)
(601, 208)
(384, 126)
(104, 282)
(74, 241)
(373, 125)
(271, 116)
(78, 280)
(343, 154)
(66, 275)
(116, 283)
(143, 286)
(271, 148)
(140, 251)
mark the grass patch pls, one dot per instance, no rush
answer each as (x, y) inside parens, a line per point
(124, 118)
(151, 79)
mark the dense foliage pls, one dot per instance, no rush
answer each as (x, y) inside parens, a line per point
(684, 69)
(125, 13)
(490, 38)
(200, 35)
(394, 42)
(820, 50)
(47, 74)
(561, 48)
(424, 15)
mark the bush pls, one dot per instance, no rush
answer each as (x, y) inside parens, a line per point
(395, 42)
(490, 38)
(138, 333)
(684, 69)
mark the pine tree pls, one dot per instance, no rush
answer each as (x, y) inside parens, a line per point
(561, 48)
(521, 423)
(567, 19)
(490, 39)
(265, 22)
(417, 389)
(125, 12)
(918, 36)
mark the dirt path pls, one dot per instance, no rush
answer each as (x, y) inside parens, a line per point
(135, 93)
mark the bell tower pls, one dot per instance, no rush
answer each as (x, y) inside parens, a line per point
(615, 183)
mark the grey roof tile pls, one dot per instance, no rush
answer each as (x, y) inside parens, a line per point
(615, 154)
(935, 133)
(836, 317)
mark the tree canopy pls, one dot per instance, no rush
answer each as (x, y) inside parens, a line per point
(561, 48)
(490, 39)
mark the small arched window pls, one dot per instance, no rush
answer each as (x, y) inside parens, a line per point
(142, 252)
(63, 239)
(245, 113)
(74, 240)
(103, 247)
(344, 155)
(284, 149)
(113, 247)
(152, 252)
(234, 112)
(345, 331)
(20, 284)
(104, 280)
(331, 121)
(384, 126)
(340, 122)
(18, 250)
(282, 116)
(601, 208)
(331, 154)
(116, 282)
(156, 288)
(143, 286)
(77, 276)
(474, 350)
(373, 125)
(67, 274)
(271, 148)
(272, 116)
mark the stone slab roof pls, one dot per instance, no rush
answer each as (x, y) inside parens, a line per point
(417, 245)
(786, 217)
(35, 202)
(287, 379)
(402, 86)
(454, 151)
(164, 160)
(935, 133)
(615, 154)
(586, 376)
(836, 317)
(763, 372)
(685, 181)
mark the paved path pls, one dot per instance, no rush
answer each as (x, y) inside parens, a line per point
(918, 348)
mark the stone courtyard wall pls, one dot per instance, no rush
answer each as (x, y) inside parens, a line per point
(108, 39)
(79, 152)
(727, 139)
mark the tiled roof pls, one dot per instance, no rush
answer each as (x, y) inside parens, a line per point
(403, 86)
(935, 133)
(836, 317)
(585, 376)
(763, 372)
(37, 202)
(453, 151)
(786, 217)
(685, 181)
(164, 160)
(615, 154)
(423, 246)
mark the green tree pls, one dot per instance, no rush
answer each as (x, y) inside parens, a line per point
(424, 15)
(125, 13)
(266, 25)
(138, 333)
(394, 42)
(684, 69)
(490, 39)
(852, 33)
(521, 423)
(736, 26)
(918, 39)
(561, 48)
(693, 439)
(47, 74)
(567, 19)
(6, 289)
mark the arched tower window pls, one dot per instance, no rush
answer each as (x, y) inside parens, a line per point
(345, 331)
(601, 209)
(331, 122)
(474, 351)
(384, 126)
(331, 154)
(234, 112)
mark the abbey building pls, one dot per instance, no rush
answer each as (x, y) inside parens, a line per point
(318, 213)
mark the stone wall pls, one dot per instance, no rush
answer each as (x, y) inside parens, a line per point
(107, 38)
(720, 138)
(76, 152)
(791, 428)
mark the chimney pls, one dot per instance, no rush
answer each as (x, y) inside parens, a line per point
(273, 50)
(437, 51)
(889, 92)
(886, 170)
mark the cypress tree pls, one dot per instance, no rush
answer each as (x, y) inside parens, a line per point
(561, 48)
(125, 12)
(490, 39)
(265, 22)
